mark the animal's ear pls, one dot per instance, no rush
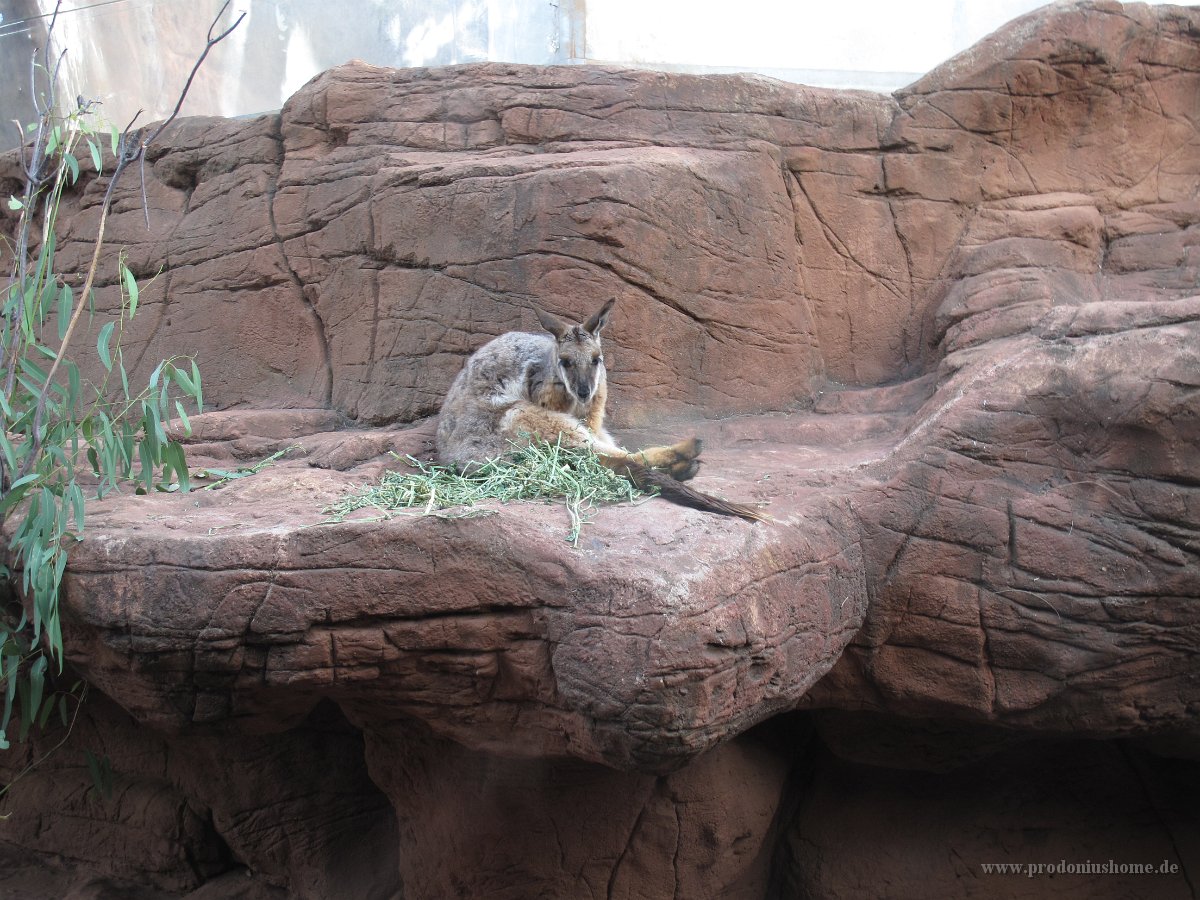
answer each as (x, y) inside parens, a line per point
(555, 326)
(593, 325)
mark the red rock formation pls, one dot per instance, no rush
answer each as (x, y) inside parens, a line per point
(948, 337)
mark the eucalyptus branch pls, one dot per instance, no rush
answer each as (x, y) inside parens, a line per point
(131, 148)
(43, 440)
(34, 181)
(36, 435)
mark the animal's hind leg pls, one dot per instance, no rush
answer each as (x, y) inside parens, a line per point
(528, 418)
(679, 460)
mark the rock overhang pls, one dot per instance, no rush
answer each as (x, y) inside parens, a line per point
(665, 631)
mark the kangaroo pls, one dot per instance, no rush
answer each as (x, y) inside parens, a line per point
(554, 385)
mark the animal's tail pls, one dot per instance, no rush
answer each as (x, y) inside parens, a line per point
(678, 492)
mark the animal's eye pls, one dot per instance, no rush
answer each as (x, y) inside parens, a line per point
(566, 363)
(596, 359)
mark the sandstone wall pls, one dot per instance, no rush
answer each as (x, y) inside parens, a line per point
(948, 339)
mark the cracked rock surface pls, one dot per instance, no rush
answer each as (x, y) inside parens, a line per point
(949, 339)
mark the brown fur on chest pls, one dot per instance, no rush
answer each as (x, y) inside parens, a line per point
(553, 395)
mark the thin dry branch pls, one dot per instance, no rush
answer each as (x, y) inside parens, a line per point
(187, 86)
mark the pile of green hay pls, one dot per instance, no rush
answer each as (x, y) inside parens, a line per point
(537, 470)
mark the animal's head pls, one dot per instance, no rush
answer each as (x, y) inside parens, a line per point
(578, 356)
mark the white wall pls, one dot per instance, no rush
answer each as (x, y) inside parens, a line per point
(136, 53)
(875, 44)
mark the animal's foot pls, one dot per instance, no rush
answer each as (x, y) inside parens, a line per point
(678, 460)
(684, 462)
(684, 469)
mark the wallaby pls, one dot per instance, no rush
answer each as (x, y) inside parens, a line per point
(555, 386)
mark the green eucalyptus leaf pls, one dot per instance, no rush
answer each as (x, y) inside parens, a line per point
(102, 345)
(78, 505)
(183, 380)
(66, 302)
(97, 159)
(6, 448)
(11, 673)
(174, 458)
(154, 434)
(147, 473)
(54, 627)
(47, 708)
(124, 376)
(199, 395)
(32, 704)
(183, 418)
(73, 381)
(131, 288)
(17, 491)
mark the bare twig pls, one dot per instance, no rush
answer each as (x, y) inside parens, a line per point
(20, 144)
(187, 86)
(45, 756)
(145, 199)
(211, 42)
